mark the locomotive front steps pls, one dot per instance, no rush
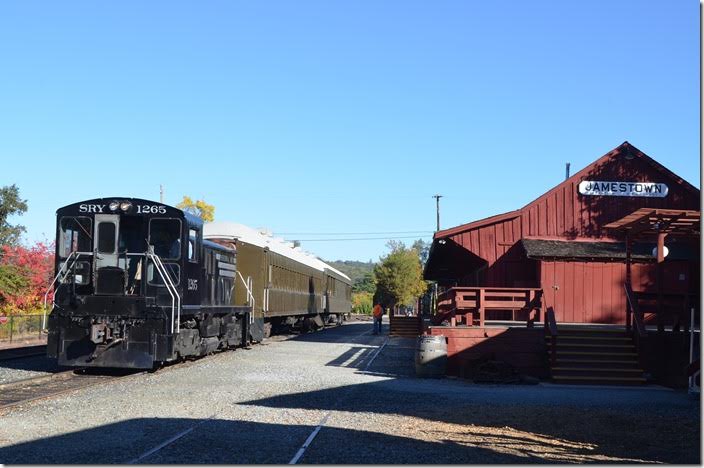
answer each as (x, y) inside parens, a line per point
(591, 355)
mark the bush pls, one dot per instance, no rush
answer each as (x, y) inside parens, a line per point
(362, 303)
(25, 274)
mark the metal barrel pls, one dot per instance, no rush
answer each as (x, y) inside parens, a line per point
(431, 356)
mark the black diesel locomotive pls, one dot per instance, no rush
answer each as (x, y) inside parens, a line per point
(138, 285)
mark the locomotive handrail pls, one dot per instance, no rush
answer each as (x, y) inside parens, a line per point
(249, 292)
(170, 287)
(61, 270)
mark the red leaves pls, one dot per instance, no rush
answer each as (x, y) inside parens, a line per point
(34, 266)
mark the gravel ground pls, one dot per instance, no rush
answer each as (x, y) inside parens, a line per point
(259, 405)
(13, 370)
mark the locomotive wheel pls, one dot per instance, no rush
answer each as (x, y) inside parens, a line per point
(267, 329)
(308, 325)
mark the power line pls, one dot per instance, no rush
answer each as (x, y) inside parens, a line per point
(348, 233)
(358, 239)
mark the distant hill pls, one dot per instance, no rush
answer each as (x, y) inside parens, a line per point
(352, 268)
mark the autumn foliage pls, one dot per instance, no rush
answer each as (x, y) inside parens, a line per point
(25, 275)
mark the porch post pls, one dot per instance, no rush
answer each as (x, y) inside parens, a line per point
(481, 307)
(628, 281)
(659, 277)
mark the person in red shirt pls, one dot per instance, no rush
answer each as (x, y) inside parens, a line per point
(377, 312)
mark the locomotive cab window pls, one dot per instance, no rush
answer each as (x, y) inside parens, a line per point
(193, 245)
(165, 237)
(154, 278)
(79, 274)
(75, 235)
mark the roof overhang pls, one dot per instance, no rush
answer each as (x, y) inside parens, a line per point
(651, 222)
(448, 261)
(549, 249)
(476, 224)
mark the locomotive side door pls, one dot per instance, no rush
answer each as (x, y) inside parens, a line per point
(106, 230)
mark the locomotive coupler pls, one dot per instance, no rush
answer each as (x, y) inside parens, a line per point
(99, 333)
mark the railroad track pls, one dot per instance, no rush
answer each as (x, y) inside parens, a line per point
(36, 388)
(22, 352)
(47, 386)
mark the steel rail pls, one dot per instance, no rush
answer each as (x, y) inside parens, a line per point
(22, 352)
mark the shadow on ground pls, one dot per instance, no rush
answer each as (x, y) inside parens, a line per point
(397, 418)
(232, 442)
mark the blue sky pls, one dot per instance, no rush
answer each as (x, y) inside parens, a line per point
(338, 116)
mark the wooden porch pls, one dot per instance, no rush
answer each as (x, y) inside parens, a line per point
(467, 306)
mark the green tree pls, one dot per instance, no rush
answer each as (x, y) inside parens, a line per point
(365, 284)
(423, 249)
(398, 276)
(10, 204)
(199, 208)
(12, 283)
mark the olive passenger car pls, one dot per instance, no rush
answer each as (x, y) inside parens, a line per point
(139, 283)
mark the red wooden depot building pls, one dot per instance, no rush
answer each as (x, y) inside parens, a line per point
(561, 260)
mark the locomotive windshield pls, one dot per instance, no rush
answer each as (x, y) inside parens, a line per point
(75, 235)
(165, 236)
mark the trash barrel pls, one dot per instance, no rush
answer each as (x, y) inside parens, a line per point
(431, 356)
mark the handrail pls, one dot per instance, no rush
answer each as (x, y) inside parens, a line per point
(550, 326)
(637, 314)
(170, 287)
(249, 292)
(161, 269)
(64, 265)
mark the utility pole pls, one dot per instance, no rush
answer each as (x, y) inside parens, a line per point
(437, 209)
(161, 193)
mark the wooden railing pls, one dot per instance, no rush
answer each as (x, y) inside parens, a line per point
(635, 315)
(460, 304)
(675, 306)
(550, 326)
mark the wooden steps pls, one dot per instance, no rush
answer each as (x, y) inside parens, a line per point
(404, 326)
(594, 356)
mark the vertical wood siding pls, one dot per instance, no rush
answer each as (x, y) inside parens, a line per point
(588, 291)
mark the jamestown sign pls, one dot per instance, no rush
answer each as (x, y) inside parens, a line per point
(623, 189)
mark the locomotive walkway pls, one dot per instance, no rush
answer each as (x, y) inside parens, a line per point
(344, 396)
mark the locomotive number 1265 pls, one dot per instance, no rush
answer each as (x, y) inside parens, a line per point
(154, 209)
